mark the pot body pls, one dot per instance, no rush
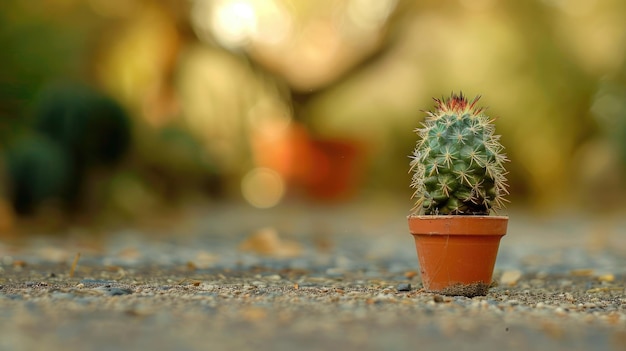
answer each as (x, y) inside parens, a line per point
(457, 254)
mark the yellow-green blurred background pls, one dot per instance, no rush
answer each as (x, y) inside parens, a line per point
(116, 109)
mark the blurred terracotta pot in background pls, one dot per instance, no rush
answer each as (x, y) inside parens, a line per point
(322, 169)
(334, 169)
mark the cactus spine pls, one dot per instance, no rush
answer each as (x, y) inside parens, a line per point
(458, 164)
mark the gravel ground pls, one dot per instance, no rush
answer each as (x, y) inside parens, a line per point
(314, 279)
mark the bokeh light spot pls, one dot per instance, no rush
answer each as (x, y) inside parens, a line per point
(369, 15)
(234, 22)
(263, 187)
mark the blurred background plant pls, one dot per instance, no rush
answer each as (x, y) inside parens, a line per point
(115, 109)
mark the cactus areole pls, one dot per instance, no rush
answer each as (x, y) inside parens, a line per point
(458, 162)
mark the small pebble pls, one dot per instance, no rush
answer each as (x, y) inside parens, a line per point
(581, 272)
(404, 287)
(116, 291)
(410, 274)
(511, 277)
(606, 278)
(560, 311)
(96, 281)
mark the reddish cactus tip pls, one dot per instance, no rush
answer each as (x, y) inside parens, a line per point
(458, 103)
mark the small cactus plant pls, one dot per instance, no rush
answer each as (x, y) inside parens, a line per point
(458, 164)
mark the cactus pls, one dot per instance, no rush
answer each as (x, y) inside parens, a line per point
(458, 164)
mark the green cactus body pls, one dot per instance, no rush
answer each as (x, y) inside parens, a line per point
(458, 162)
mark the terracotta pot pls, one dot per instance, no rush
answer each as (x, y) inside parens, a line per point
(457, 253)
(335, 169)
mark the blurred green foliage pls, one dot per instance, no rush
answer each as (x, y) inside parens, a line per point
(72, 129)
(212, 97)
(37, 47)
(39, 170)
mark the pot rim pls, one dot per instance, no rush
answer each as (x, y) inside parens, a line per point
(440, 217)
(457, 225)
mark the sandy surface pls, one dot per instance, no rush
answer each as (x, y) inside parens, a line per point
(315, 279)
